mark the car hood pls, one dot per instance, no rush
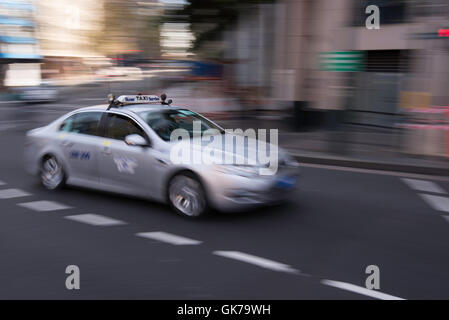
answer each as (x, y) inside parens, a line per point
(241, 149)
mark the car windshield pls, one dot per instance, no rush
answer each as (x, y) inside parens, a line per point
(164, 122)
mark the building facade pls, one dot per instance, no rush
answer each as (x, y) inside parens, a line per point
(19, 49)
(400, 65)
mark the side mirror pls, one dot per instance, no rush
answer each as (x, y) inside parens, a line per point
(136, 140)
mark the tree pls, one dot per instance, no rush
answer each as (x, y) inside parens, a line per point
(209, 18)
(127, 26)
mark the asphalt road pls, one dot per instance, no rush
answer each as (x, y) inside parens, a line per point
(339, 222)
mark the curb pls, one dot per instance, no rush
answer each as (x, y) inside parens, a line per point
(373, 165)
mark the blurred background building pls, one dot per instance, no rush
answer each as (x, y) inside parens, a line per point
(19, 54)
(312, 62)
(318, 58)
(320, 55)
(338, 64)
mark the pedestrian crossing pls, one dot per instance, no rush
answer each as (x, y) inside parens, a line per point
(95, 220)
(424, 186)
(43, 206)
(434, 195)
(13, 193)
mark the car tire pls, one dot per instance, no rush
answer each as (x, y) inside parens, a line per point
(186, 196)
(52, 174)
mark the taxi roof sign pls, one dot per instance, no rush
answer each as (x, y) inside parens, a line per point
(140, 98)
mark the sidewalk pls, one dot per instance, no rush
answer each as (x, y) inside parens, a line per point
(348, 145)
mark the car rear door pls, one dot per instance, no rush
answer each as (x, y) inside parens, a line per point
(80, 143)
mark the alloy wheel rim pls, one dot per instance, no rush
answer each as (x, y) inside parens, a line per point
(186, 196)
(51, 174)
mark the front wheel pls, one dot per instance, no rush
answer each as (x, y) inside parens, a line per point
(186, 196)
(52, 173)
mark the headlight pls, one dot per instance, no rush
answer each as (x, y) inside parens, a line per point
(238, 170)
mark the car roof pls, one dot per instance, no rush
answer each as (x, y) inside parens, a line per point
(132, 107)
(148, 107)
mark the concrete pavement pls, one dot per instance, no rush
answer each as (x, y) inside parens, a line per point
(340, 221)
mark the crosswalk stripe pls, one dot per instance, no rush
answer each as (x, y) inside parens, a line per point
(44, 205)
(13, 193)
(95, 220)
(438, 203)
(423, 186)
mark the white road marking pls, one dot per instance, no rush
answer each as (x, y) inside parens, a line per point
(169, 238)
(438, 203)
(13, 193)
(95, 220)
(424, 186)
(2, 183)
(44, 205)
(258, 261)
(360, 290)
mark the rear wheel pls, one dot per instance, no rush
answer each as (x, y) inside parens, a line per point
(186, 196)
(52, 173)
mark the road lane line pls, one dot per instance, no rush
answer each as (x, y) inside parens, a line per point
(359, 290)
(13, 193)
(95, 220)
(258, 261)
(168, 238)
(438, 203)
(424, 186)
(44, 205)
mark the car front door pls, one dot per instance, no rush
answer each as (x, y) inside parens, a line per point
(126, 168)
(79, 142)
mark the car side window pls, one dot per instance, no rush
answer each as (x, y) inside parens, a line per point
(84, 123)
(118, 127)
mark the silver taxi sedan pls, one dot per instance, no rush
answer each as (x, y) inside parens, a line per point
(127, 147)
